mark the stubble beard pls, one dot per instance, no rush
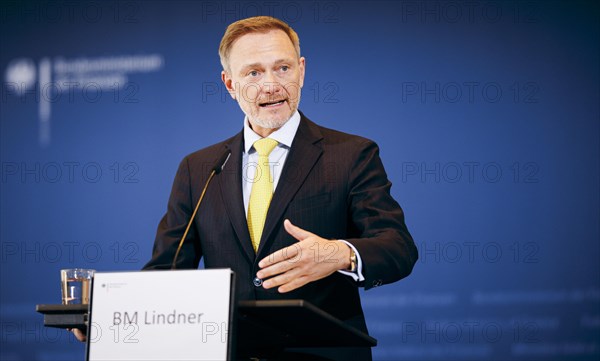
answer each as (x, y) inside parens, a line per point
(275, 123)
(270, 124)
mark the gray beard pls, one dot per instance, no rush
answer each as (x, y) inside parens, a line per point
(269, 124)
(274, 124)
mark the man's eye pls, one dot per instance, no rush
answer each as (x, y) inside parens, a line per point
(253, 73)
(285, 68)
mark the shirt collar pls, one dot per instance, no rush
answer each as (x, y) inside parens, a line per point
(284, 135)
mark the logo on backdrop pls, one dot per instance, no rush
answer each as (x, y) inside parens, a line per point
(21, 71)
(49, 81)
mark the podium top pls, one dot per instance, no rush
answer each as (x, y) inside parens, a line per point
(294, 323)
(62, 309)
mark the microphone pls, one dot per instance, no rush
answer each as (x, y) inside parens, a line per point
(221, 162)
(216, 169)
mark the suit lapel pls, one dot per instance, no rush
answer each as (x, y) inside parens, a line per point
(230, 182)
(303, 155)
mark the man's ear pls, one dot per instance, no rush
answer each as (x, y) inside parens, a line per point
(228, 83)
(302, 65)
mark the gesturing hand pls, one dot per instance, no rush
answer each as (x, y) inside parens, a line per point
(79, 334)
(311, 259)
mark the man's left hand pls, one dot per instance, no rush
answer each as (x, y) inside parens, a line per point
(311, 259)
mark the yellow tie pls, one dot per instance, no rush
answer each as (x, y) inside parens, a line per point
(262, 191)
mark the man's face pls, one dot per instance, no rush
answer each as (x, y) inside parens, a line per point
(265, 77)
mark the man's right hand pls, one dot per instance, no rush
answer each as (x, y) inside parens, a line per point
(79, 334)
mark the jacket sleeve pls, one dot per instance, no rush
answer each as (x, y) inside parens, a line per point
(385, 246)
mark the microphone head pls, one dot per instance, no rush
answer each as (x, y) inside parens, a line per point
(221, 162)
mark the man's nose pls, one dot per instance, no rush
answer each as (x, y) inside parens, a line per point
(271, 84)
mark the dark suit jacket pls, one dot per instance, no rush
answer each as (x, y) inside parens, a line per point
(333, 184)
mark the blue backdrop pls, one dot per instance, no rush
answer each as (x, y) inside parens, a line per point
(487, 115)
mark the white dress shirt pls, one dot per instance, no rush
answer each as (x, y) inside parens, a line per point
(284, 137)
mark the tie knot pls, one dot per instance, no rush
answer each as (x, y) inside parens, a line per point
(264, 146)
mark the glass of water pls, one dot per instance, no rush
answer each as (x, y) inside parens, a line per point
(76, 285)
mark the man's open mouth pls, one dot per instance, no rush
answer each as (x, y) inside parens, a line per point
(272, 104)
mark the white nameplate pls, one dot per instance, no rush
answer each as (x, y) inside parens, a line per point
(160, 315)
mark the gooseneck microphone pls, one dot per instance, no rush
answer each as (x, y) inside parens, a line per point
(218, 167)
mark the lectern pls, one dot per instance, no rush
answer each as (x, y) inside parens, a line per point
(259, 328)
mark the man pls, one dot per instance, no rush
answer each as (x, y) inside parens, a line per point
(325, 222)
